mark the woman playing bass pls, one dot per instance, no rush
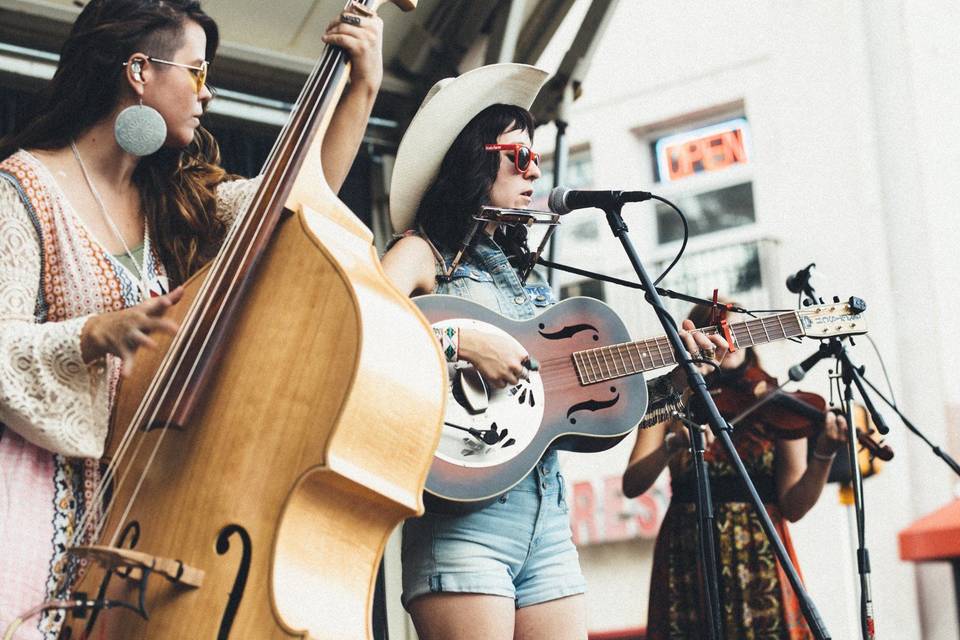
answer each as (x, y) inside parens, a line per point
(111, 196)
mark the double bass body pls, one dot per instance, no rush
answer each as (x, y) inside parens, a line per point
(309, 446)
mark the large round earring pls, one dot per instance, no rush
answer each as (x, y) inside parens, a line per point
(140, 130)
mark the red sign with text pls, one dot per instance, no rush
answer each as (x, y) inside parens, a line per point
(702, 150)
(601, 513)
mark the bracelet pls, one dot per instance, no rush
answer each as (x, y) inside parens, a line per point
(820, 456)
(449, 338)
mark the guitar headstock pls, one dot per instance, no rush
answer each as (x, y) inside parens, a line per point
(834, 319)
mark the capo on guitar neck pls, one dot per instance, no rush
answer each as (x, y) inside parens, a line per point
(718, 317)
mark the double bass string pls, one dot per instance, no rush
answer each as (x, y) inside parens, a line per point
(297, 106)
(324, 69)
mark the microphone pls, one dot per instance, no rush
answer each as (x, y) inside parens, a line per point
(797, 282)
(563, 200)
(797, 371)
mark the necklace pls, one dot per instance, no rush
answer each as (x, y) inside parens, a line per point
(141, 270)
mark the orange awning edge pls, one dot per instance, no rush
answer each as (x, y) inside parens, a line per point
(935, 536)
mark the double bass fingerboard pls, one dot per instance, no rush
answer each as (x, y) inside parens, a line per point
(628, 358)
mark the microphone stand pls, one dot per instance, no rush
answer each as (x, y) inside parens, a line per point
(850, 374)
(722, 431)
(666, 293)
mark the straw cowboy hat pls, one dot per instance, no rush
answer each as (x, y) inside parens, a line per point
(450, 104)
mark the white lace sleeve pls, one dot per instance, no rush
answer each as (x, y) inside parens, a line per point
(234, 197)
(47, 394)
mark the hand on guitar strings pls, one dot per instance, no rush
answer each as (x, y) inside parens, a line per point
(707, 352)
(122, 333)
(500, 360)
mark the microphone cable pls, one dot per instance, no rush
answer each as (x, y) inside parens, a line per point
(686, 236)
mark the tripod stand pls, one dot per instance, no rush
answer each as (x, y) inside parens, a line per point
(851, 376)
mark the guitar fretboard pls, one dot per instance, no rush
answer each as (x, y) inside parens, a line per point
(628, 358)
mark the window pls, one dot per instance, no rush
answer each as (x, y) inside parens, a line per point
(722, 208)
(738, 270)
(588, 288)
(705, 171)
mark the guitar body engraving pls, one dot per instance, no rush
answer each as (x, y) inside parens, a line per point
(592, 405)
(566, 332)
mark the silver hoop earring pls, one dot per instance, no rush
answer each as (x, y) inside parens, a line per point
(140, 130)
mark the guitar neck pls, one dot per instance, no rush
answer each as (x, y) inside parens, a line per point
(629, 358)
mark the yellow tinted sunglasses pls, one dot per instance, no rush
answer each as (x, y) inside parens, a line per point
(199, 74)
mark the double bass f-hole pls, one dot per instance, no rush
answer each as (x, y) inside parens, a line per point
(140, 576)
(240, 581)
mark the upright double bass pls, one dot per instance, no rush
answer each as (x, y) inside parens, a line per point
(262, 456)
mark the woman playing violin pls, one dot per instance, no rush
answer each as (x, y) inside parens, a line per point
(757, 601)
(110, 197)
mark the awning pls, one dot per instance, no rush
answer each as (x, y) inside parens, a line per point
(933, 537)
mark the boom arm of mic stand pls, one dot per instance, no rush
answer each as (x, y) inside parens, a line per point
(666, 293)
(943, 455)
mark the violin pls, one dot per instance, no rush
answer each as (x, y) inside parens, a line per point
(752, 397)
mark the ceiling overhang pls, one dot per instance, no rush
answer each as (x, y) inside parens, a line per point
(269, 48)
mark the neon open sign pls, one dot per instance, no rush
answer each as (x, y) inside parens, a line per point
(704, 150)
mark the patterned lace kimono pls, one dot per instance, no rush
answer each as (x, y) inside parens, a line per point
(54, 408)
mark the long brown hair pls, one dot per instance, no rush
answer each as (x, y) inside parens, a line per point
(176, 185)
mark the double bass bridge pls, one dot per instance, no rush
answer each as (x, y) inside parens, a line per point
(135, 567)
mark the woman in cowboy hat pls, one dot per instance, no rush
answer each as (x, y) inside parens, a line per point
(510, 569)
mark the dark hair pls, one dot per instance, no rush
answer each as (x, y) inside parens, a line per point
(466, 176)
(176, 185)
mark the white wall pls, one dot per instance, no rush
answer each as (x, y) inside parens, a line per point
(853, 111)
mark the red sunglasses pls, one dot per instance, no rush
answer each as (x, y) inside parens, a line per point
(522, 155)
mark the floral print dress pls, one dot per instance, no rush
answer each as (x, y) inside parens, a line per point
(757, 601)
